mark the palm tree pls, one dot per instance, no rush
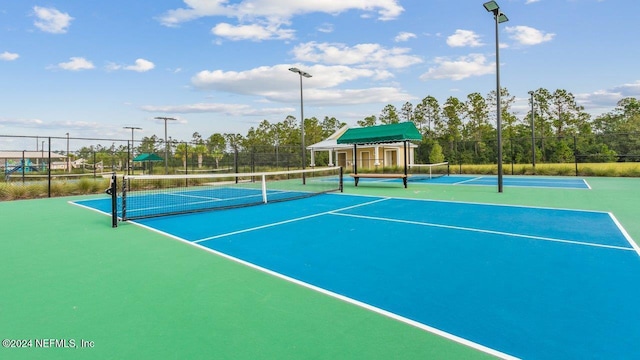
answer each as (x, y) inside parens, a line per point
(200, 150)
(182, 152)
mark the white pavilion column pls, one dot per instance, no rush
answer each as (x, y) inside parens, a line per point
(376, 157)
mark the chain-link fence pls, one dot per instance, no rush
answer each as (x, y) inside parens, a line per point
(576, 150)
(53, 166)
(49, 161)
(189, 159)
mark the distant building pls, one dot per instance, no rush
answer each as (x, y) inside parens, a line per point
(369, 156)
(10, 159)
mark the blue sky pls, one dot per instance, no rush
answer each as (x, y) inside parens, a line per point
(89, 68)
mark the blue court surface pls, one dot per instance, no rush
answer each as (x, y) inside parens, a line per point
(515, 282)
(492, 180)
(515, 181)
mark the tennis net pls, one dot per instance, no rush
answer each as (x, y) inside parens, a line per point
(159, 195)
(428, 171)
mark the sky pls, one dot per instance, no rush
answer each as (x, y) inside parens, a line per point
(91, 68)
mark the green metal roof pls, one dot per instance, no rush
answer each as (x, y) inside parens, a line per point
(147, 157)
(381, 134)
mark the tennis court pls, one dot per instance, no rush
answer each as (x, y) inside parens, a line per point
(441, 271)
(492, 180)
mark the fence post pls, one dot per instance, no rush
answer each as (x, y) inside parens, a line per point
(113, 191)
(24, 163)
(49, 170)
(512, 154)
(575, 152)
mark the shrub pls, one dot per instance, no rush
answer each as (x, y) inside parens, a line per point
(4, 191)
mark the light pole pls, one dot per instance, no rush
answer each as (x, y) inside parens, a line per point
(307, 75)
(133, 128)
(500, 17)
(166, 144)
(533, 133)
(68, 158)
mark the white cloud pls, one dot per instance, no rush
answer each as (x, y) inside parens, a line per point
(197, 9)
(461, 68)
(265, 19)
(76, 64)
(463, 38)
(628, 90)
(29, 123)
(608, 98)
(364, 55)
(404, 36)
(227, 109)
(375, 95)
(254, 32)
(141, 65)
(526, 35)
(531, 2)
(277, 83)
(54, 125)
(326, 28)
(51, 20)
(277, 11)
(7, 56)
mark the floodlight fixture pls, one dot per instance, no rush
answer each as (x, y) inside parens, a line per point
(304, 150)
(298, 71)
(491, 6)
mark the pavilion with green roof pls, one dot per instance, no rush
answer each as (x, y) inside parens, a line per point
(382, 134)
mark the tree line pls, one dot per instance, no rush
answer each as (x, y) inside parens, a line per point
(463, 129)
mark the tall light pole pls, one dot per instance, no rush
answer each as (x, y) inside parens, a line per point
(307, 75)
(133, 128)
(500, 17)
(533, 133)
(166, 144)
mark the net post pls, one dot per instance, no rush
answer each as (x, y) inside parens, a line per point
(341, 184)
(113, 191)
(124, 198)
(264, 188)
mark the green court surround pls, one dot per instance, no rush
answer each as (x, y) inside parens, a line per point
(66, 274)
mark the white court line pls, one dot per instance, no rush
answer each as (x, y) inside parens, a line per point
(484, 231)
(88, 207)
(466, 181)
(625, 234)
(539, 183)
(490, 204)
(287, 221)
(194, 196)
(344, 298)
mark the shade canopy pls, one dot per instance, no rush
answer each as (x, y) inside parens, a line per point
(147, 157)
(381, 134)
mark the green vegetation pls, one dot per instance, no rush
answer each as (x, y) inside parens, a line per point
(556, 129)
(40, 189)
(584, 169)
